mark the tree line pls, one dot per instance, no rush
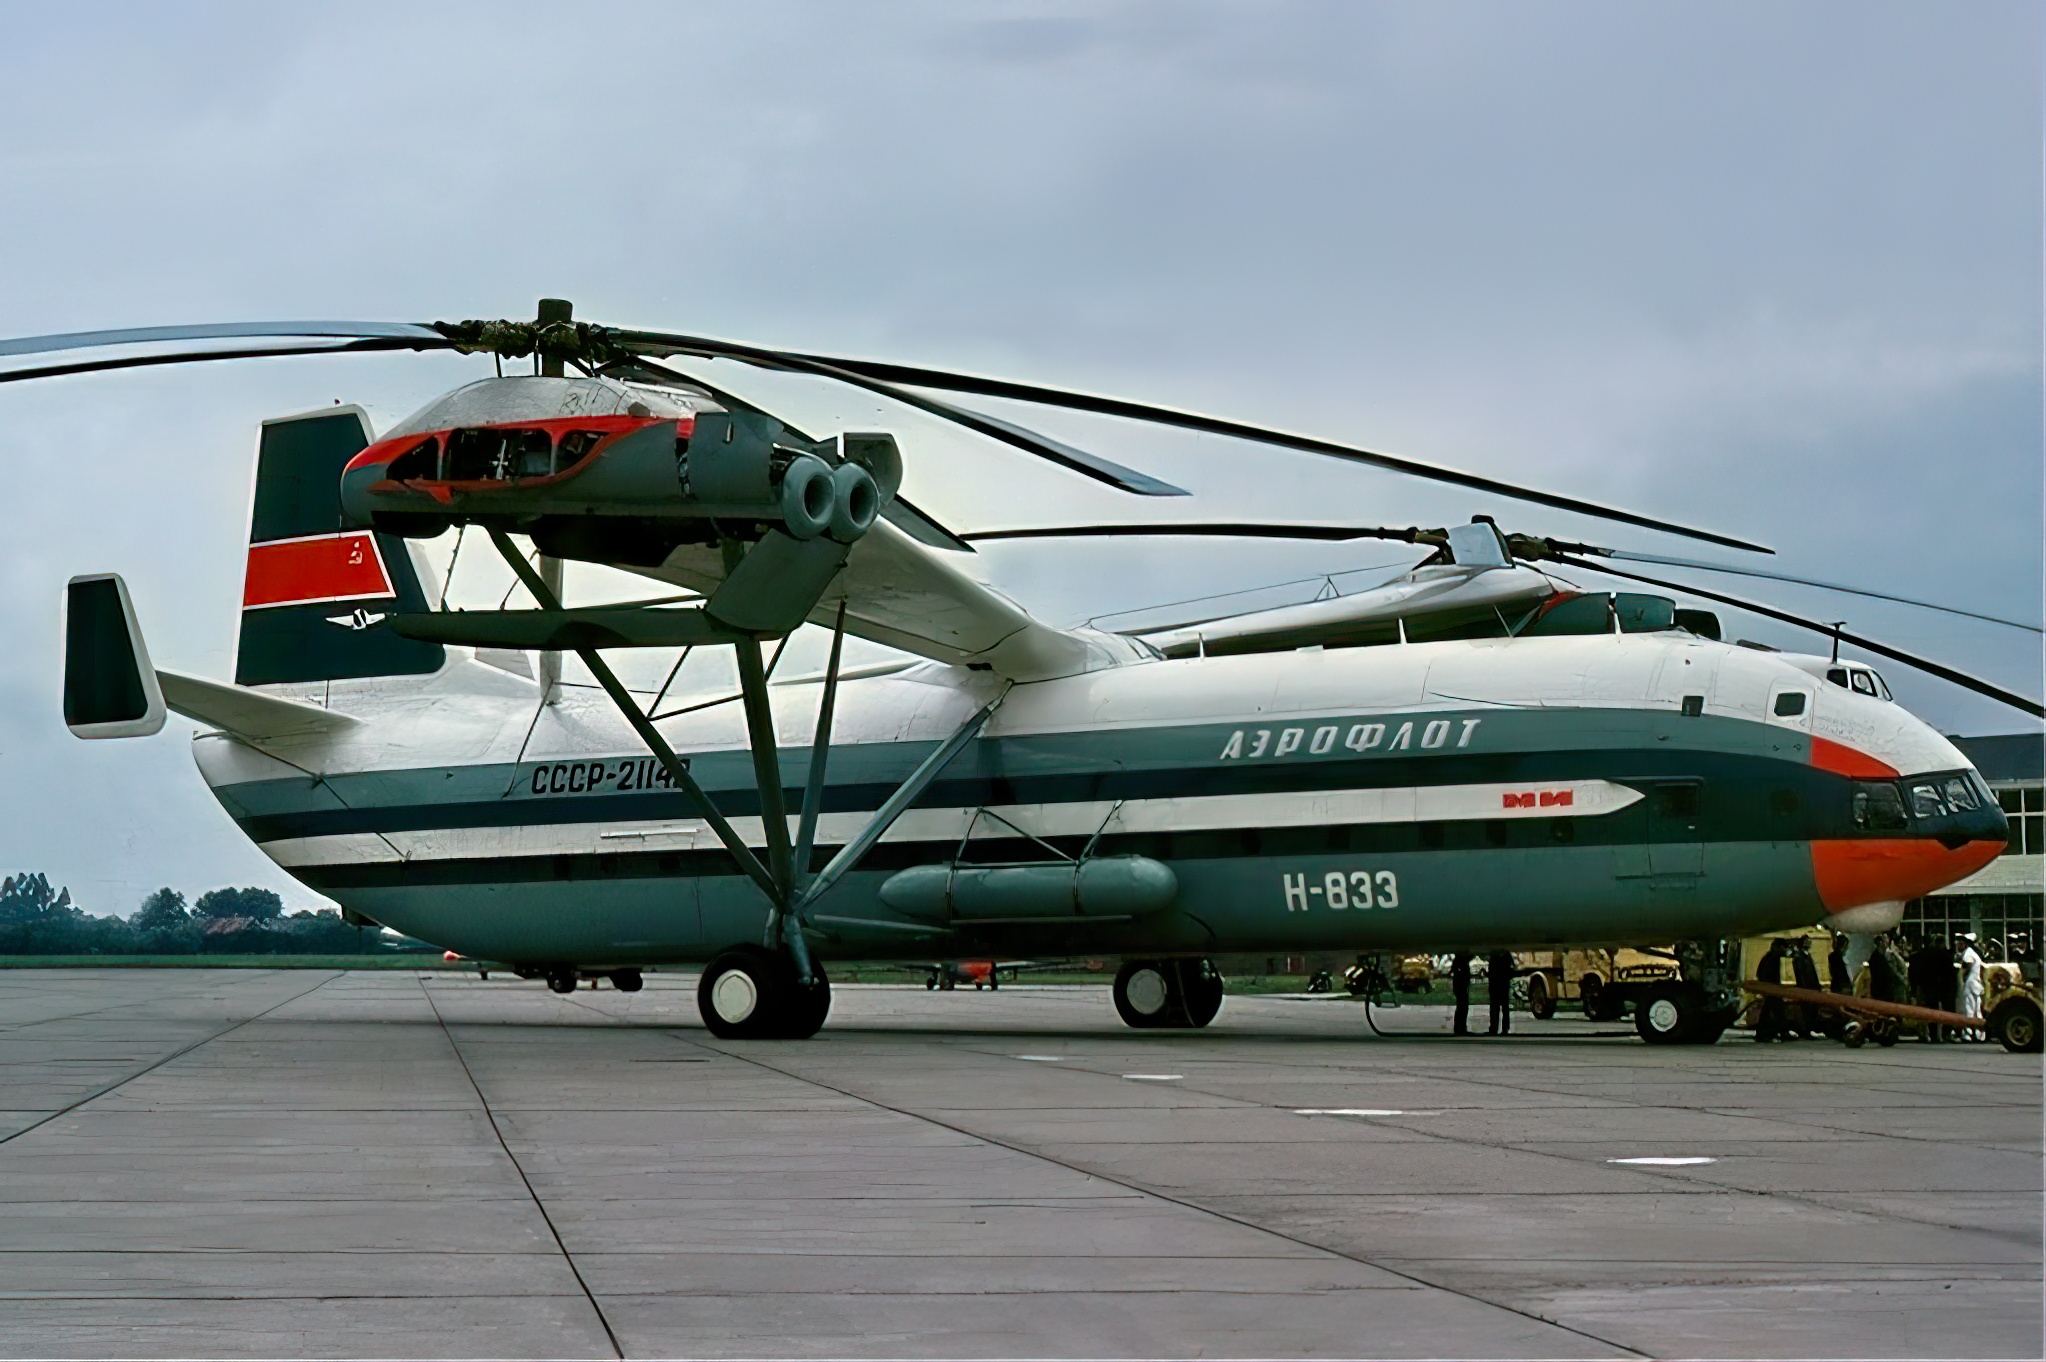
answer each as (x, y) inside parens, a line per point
(37, 918)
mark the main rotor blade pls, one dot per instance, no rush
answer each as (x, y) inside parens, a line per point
(1214, 425)
(1929, 667)
(94, 366)
(147, 335)
(1031, 442)
(1626, 556)
(1204, 530)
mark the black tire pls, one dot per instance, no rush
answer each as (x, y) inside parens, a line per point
(1601, 1004)
(1541, 997)
(931, 981)
(744, 994)
(627, 980)
(562, 980)
(1201, 989)
(1144, 993)
(1854, 1034)
(809, 1005)
(1669, 1014)
(2015, 1025)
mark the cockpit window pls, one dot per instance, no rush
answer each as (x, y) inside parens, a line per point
(1838, 676)
(1926, 801)
(1960, 794)
(1877, 806)
(1863, 682)
(420, 461)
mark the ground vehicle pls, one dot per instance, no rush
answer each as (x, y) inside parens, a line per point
(2013, 1012)
(1605, 982)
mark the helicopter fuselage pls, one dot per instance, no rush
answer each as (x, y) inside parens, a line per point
(1616, 788)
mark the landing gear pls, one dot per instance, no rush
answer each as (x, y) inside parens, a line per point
(1678, 1014)
(752, 993)
(626, 980)
(562, 980)
(1168, 993)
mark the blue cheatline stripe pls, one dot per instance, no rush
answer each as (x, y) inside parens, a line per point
(1743, 797)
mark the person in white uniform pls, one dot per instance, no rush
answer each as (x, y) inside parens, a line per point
(1969, 1003)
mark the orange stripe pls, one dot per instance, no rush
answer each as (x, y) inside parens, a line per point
(1843, 760)
(335, 567)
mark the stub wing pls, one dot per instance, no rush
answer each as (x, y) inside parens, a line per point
(905, 593)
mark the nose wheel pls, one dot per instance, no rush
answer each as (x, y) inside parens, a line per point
(752, 993)
(1168, 994)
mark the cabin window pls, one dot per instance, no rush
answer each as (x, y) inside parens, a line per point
(1790, 704)
(1563, 830)
(1783, 803)
(1694, 705)
(1495, 832)
(576, 446)
(1677, 801)
(1431, 835)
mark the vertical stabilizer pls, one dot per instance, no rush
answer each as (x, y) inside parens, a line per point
(317, 595)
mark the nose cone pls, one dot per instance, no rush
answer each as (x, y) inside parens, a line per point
(1850, 873)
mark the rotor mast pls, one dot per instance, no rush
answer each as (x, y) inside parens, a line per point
(552, 311)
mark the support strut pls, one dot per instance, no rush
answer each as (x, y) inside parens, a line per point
(677, 769)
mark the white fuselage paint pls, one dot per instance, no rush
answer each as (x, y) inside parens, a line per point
(1283, 706)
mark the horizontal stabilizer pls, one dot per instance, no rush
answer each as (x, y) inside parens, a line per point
(564, 630)
(246, 713)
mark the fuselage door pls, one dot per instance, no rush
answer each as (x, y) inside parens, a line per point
(1676, 848)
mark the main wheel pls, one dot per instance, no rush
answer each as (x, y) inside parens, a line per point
(1541, 998)
(1600, 1005)
(1668, 1014)
(809, 1005)
(1143, 993)
(626, 980)
(1201, 989)
(744, 994)
(2015, 1024)
(561, 980)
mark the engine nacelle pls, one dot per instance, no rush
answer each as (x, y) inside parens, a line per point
(538, 452)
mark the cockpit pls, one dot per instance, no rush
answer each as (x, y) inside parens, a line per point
(1860, 680)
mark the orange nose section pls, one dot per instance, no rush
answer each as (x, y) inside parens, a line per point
(1891, 869)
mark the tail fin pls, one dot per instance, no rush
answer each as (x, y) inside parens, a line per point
(317, 593)
(110, 690)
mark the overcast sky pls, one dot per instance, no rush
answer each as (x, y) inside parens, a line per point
(1772, 268)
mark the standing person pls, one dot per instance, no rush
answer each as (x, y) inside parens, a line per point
(1922, 971)
(1946, 980)
(1774, 1023)
(1460, 983)
(1886, 972)
(1969, 991)
(1499, 992)
(1805, 970)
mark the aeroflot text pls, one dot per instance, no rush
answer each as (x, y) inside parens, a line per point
(1248, 744)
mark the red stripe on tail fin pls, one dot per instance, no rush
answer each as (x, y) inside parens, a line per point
(315, 570)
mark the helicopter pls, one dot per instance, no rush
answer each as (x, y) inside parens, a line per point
(1477, 753)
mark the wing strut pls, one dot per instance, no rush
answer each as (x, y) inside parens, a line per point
(677, 769)
(785, 878)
